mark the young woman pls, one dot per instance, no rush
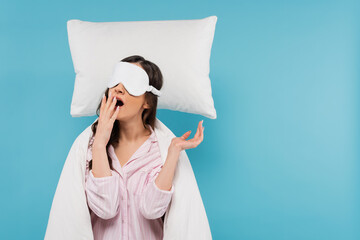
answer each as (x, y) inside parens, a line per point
(128, 188)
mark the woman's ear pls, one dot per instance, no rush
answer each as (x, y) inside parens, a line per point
(146, 105)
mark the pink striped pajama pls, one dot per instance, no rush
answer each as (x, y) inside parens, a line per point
(128, 205)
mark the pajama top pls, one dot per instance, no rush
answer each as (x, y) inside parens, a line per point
(128, 205)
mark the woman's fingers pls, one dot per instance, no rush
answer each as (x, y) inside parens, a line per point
(107, 108)
(113, 117)
(201, 132)
(198, 131)
(104, 106)
(108, 104)
(198, 138)
(186, 135)
(112, 107)
(103, 101)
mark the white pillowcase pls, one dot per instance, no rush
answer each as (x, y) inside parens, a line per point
(180, 48)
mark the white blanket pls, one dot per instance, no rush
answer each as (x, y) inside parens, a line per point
(69, 217)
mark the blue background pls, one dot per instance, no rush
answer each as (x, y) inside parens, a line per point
(281, 161)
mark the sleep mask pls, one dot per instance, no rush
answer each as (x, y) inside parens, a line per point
(134, 79)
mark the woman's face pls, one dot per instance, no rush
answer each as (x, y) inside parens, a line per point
(133, 105)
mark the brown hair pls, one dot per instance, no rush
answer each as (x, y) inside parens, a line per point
(148, 115)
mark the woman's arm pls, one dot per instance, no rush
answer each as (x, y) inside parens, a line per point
(158, 193)
(166, 175)
(100, 163)
(102, 190)
(165, 178)
(102, 194)
(156, 197)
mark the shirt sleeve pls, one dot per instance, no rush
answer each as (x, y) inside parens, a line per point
(102, 194)
(154, 201)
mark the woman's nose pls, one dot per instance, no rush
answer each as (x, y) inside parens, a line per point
(120, 88)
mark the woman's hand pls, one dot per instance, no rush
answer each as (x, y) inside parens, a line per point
(180, 143)
(164, 179)
(106, 120)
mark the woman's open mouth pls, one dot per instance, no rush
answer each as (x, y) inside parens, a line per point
(119, 103)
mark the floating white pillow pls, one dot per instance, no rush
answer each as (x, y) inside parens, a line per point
(180, 48)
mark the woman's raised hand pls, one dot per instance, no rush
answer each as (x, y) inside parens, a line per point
(106, 120)
(181, 143)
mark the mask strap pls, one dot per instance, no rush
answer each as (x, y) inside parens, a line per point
(153, 90)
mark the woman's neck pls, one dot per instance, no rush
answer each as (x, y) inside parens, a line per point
(133, 132)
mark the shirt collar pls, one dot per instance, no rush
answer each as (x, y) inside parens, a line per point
(152, 137)
(138, 154)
